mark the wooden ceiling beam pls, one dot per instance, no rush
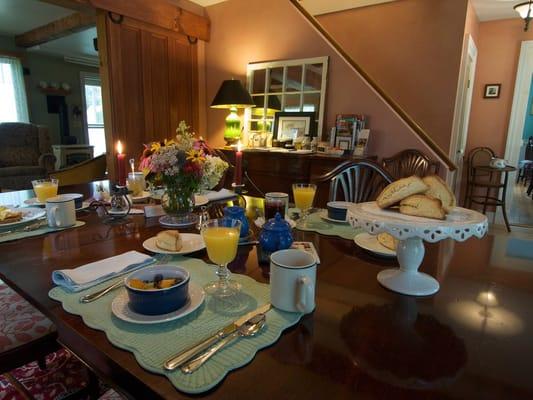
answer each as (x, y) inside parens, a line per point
(160, 13)
(56, 29)
(83, 6)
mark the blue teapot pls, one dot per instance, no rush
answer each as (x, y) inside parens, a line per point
(275, 235)
(237, 213)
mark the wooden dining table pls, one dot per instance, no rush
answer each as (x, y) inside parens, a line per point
(472, 339)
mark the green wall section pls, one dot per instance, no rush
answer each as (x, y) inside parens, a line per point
(50, 69)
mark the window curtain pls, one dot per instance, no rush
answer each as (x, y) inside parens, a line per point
(13, 102)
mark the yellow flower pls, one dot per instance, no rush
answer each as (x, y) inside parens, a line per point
(155, 147)
(195, 156)
(169, 142)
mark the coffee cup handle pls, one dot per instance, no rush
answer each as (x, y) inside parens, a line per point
(53, 210)
(304, 286)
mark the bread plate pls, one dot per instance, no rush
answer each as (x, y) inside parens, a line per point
(191, 242)
(370, 243)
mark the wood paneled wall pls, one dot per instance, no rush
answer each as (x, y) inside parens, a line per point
(149, 82)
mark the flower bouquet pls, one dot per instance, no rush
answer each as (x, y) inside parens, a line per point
(183, 166)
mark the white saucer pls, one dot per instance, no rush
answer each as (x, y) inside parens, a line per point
(370, 242)
(121, 309)
(35, 202)
(141, 197)
(191, 242)
(324, 216)
(259, 222)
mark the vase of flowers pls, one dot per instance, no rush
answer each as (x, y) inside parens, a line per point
(183, 166)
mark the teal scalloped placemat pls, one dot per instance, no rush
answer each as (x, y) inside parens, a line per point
(154, 344)
(16, 235)
(315, 223)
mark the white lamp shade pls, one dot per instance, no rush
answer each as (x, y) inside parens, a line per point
(523, 9)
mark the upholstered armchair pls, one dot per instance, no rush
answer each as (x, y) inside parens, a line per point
(25, 154)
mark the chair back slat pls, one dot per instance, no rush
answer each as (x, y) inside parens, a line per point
(355, 181)
(410, 162)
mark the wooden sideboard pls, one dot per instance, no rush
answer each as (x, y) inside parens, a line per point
(276, 172)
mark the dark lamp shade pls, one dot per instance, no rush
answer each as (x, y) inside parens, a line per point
(232, 94)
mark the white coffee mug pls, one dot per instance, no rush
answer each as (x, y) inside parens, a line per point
(60, 212)
(292, 280)
(497, 162)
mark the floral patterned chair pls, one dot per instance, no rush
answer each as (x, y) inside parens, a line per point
(25, 154)
(25, 334)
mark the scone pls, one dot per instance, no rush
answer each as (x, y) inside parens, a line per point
(400, 189)
(388, 241)
(169, 240)
(420, 205)
(441, 191)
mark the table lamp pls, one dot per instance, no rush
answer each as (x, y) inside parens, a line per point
(232, 95)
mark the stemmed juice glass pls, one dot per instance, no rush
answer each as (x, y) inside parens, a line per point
(221, 237)
(304, 195)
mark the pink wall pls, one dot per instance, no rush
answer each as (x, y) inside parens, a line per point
(246, 31)
(413, 50)
(498, 53)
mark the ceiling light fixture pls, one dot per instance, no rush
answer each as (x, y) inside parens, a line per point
(526, 12)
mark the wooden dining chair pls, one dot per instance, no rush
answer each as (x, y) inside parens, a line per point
(410, 162)
(355, 181)
(476, 179)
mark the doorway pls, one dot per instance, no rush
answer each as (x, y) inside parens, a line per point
(462, 113)
(520, 205)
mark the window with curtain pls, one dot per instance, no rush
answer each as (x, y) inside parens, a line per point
(13, 103)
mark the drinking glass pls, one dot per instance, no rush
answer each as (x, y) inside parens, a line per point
(276, 202)
(136, 183)
(45, 188)
(221, 237)
(304, 195)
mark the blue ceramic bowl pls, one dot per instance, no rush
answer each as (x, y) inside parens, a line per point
(158, 301)
(337, 210)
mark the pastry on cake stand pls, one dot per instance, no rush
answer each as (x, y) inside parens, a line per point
(460, 224)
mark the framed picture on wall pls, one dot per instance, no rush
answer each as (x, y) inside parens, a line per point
(291, 125)
(492, 91)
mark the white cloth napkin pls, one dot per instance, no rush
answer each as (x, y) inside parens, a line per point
(220, 195)
(91, 274)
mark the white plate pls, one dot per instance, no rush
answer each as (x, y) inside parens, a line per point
(121, 309)
(191, 242)
(28, 214)
(259, 222)
(140, 198)
(199, 199)
(370, 242)
(324, 216)
(35, 202)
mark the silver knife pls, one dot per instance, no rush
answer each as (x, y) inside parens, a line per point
(186, 355)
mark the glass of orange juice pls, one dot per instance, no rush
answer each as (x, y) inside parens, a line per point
(221, 237)
(304, 195)
(45, 188)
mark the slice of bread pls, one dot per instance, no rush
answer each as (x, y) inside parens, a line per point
(388, 241)
(169, 240)
(420, 205)
(399, 190)
(441, 191)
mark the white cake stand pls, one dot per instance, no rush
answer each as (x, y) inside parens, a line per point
(460, 224)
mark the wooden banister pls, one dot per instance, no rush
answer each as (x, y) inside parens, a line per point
(379, 90)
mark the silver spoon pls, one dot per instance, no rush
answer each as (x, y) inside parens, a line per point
(249, 328)
(96, 295)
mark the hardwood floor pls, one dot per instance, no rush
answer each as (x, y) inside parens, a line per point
(520, 208)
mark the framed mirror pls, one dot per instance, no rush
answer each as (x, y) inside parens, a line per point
(288, 86)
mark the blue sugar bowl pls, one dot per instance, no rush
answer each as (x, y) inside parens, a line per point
(237, 213)
(275, 235)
